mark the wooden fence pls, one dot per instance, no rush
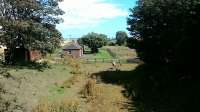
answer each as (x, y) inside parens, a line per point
(103, 60)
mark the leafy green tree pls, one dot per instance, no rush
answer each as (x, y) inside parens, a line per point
(30, 24)
(165, 35)
(121, 37)
(164, 30)
(93, 41)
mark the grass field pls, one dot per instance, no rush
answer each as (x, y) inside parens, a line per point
(102, 54)
(121, 52)
(110, 52)
(56, 86)
(30, 85)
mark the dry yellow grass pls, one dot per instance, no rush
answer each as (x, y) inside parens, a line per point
(122, 52)
(74, 63)
(103, 97)
(74, 79)
(65, 105)
(91, 91)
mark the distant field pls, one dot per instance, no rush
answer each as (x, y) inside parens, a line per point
(121, 52)
(102, 54)
(109, 53)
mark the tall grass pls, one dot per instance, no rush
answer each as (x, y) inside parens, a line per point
(74, 63)
(91, 90)
(101, 98)
(66, 105)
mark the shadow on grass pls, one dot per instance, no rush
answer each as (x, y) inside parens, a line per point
(156, 89)
(28, 65)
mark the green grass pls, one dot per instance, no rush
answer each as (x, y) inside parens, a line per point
(42, 82)
(103, 54)
(56, 89)
(54, 70)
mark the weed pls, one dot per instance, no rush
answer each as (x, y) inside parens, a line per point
(91, 90)
(74, 63)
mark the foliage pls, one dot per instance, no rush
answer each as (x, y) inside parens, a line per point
(93, 41)
(165, 31)
(121, 37)
(30, 24)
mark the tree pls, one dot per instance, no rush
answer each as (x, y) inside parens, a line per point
(164, 29)
(121, 37)
(30, 24)
(93, 41)
(165, 35)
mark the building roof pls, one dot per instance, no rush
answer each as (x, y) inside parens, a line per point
(72, 46)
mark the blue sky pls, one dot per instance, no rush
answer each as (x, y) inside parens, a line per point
(100, 16)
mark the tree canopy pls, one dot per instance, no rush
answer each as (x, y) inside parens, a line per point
(30, 24)
(93, 41)
(165, 35)
(121, 37)
(165, 31)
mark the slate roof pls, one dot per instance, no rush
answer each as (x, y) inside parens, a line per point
(72, 46)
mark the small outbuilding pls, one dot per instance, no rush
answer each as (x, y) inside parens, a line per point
(73, 49)
(22, 54)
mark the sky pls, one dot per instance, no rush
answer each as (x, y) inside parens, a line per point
(99, 16)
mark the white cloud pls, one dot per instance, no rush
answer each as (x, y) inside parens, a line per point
(85, 13)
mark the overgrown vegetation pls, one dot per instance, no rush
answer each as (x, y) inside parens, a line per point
(74, 63)
(66, 105)
(103, 98)
(90, 90)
